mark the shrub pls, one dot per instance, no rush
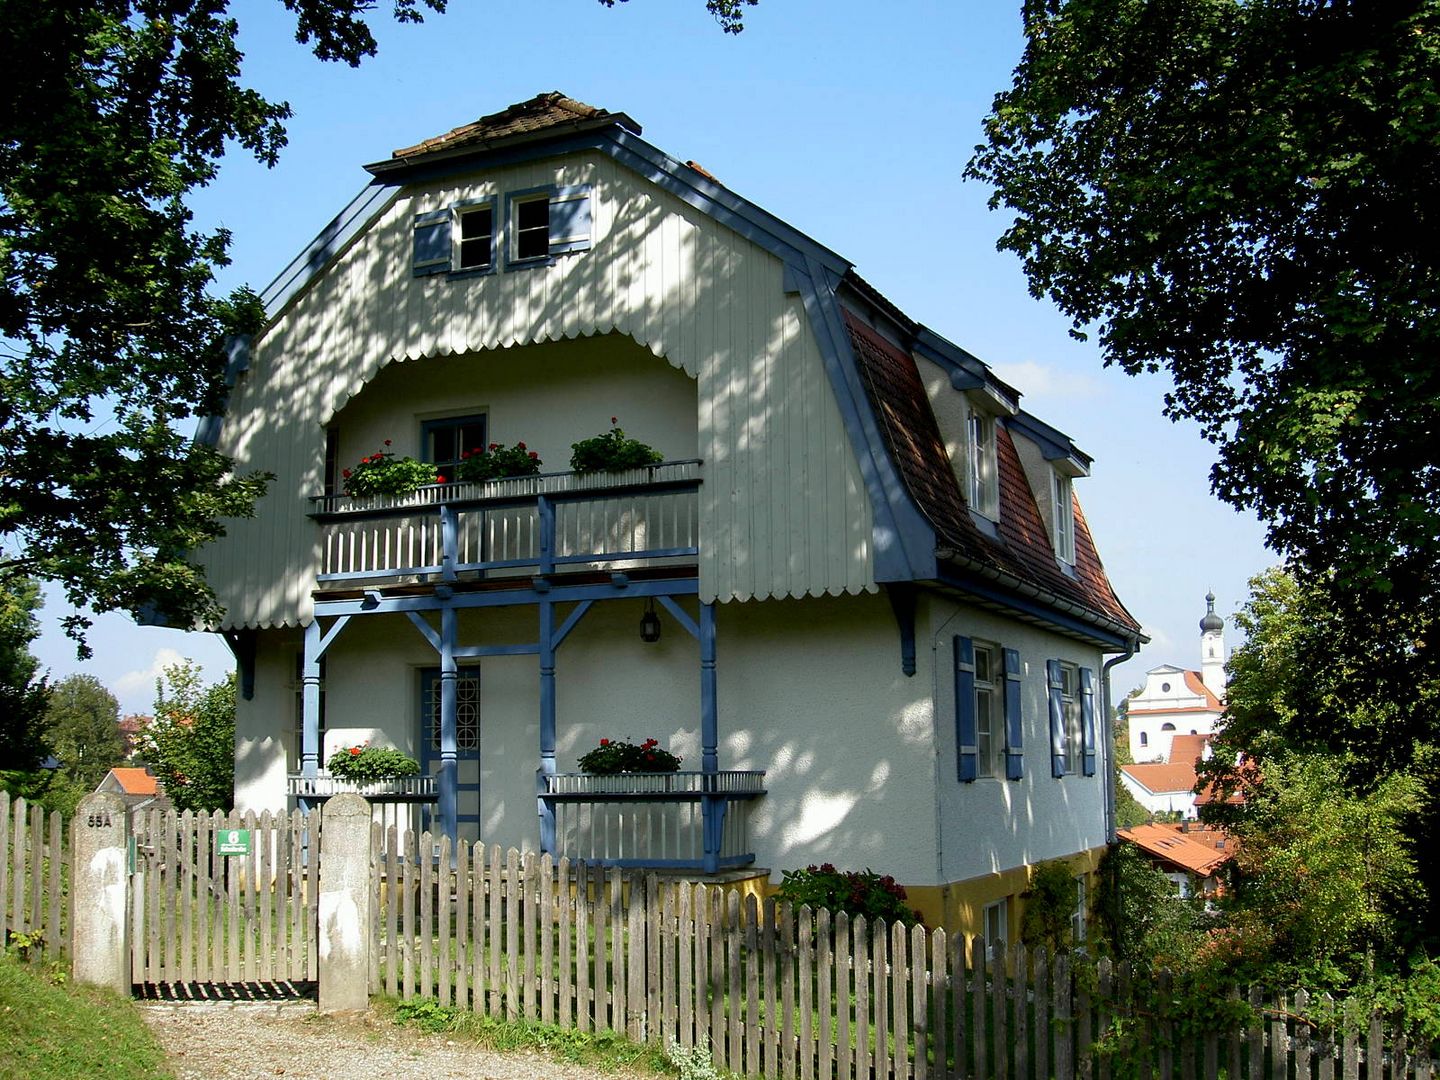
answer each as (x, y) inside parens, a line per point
(612, 451)
(382, 473)
(621, 756)
(855, 892)
(496, 462)
(367, 764)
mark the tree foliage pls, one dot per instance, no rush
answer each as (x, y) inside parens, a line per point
(83, 728)
(23, 693)
(190, 744)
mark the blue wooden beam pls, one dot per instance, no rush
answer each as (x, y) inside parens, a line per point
(571, 621)
(375, 603)
(449, 749)
(712, 809)
(902, 601)
(547, 725)
(681, 615)
(310, 702)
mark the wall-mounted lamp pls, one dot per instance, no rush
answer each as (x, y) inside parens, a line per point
(650, 624)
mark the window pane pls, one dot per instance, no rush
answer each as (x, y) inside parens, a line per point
(475, 254)
(475, 224)
(532, 229)
(442, 445)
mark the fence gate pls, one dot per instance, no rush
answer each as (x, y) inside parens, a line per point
(224, 898)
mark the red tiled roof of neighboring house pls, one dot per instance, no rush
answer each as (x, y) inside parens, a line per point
(1166, 843)
(549, 113)
(1197, 684)
(1188, 749)
(135, 781)
(1022, 549)
(1209, 836)
(1160, 778)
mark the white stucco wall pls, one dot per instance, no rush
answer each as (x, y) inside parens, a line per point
(1164, 700)
(990, 825)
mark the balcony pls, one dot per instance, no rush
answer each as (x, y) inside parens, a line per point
(680, 820)
(525, 525)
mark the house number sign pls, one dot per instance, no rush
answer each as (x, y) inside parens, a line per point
(233, 842)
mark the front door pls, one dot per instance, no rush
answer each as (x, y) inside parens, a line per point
(467, 745)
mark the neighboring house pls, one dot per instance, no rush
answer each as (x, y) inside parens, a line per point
(131, 728)
(1175, 701)
(1190, 855)
(1168, 787)
(883, 618)
(137, 786)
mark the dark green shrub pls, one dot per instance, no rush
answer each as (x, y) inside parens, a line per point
(621, 756)
(496, 462)
(367, 764)
(856, 892)
(612, 451)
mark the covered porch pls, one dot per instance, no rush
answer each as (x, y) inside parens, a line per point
(551, 548)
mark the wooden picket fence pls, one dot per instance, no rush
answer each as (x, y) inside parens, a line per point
(199, 916)
(800, 995)
(34, 870)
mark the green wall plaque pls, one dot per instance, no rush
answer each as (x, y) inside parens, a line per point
(233, 842)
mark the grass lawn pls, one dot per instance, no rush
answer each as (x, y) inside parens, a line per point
(63, 1032)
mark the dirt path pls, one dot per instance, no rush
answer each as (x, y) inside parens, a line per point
(254, 1041)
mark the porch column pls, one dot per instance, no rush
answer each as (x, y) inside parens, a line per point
(310, 702)
(547, 725)
(449, 769)
(712, 806)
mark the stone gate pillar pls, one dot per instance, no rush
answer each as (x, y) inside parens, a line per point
(344, 930)
(100, 892)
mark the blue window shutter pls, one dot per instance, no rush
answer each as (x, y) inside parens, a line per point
(432, 243)
(1087, 717)
(570, 220)
(966, 742)
(1014, 729)
(1057, 719)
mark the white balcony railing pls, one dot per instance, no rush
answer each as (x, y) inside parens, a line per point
(524, 524)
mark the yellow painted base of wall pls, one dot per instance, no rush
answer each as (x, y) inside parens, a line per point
(960, 906)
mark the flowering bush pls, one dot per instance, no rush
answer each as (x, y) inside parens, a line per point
(622, 756)
(611, 451)
(496, 462)
(856, 892)
(382, 473)
(365, 764)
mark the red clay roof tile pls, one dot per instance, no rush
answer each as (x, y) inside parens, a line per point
(1166, 843)
(540, 113)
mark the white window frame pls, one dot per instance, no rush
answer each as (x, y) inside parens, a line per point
(1074, 721)
(516, 203)
(983, 480)
(989, 710)
(999, 911)
(461, 212)
(1062, 492)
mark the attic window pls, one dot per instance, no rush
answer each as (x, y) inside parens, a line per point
(475, 246)
(1064, 519)
(983, 488)
(532, 228)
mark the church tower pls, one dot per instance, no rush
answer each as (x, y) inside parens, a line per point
(1212, 649)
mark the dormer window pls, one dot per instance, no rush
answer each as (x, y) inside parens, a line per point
(476, 239)
(532, 228)
(984, 484)
(1064, 519)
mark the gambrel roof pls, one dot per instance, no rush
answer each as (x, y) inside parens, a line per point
(923, 531)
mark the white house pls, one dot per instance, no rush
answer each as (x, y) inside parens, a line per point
(1175, 701)
(883, 619)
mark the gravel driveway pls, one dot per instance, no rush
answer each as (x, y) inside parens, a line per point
(255, 1041)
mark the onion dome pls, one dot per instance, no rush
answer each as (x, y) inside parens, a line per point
(1211, 623)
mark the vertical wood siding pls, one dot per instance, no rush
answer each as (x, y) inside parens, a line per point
(783, 509)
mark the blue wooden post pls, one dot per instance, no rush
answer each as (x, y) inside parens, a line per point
(449, 749)
(712, 807)
(546, 510)
(547, 725)
(449, 543)
(310, 702)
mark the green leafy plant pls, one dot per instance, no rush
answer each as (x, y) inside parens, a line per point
(366, 764)
(1050, 903)
(612, 451)
(855, 892)
(496, 462)
(692, 1062)
(622, 756)
(382, 473)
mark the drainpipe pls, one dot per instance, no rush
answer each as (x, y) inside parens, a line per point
(1132, 646)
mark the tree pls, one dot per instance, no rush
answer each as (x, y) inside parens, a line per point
(1242, 193)
(23, 693)
(190, 744)
(113, 343)
(83, 728)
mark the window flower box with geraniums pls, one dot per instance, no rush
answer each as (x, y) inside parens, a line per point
(382, 473)
(615, 756)
(612, 451)
(366, 764)
(497, 462)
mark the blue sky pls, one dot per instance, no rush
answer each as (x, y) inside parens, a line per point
(851, 120)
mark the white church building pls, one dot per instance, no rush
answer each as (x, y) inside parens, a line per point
(1177, 701)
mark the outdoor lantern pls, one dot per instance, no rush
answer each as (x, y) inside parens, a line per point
(650, 624)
